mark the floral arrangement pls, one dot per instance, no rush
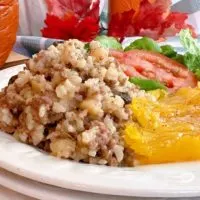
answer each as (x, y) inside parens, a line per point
(80, 19)
(72, 19)
(152, 18)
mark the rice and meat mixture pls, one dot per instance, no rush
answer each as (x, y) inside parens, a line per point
(71, 102)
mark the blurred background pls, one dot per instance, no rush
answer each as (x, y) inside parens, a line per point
(31, 25)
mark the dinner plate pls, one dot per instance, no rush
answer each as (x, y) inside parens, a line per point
(174, 180)
(7, 194)
(168, 180)
(23, 186)
(43, 191)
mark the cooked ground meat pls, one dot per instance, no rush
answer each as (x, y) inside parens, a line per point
(72, 103)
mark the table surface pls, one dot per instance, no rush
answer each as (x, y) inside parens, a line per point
(14, 59)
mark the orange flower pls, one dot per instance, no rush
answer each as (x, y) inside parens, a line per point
(124, 5)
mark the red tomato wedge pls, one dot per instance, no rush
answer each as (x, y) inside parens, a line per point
(155, 66)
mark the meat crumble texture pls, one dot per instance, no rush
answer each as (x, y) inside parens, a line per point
(70, 102)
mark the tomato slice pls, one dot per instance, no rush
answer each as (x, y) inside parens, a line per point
(155, 66)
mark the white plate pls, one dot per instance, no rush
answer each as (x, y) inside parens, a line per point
(43, 191)
(12, 182)
(174, 180)
(177, 180)
(7, 194)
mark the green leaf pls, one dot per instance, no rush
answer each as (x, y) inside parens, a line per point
(109, 42)
(189, 43)
(146, 84)
(144, 43)
(168, 51)
(192, 56)
(179, 58)
(192, 62)
(197, 73)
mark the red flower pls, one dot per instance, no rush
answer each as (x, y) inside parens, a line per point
(80, 7)
(121, 24)
(153, 20)
(86, 30)
(72, 19)
(174, 23)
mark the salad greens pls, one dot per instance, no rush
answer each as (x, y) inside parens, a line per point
(144, 43)
(109, 42)
(192, 55)
(191, 59)
(151, 45)
(189, 43)
(146, 84)
(168, 51)
(179, 58)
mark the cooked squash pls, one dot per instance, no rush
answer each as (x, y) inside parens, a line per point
(165, 129)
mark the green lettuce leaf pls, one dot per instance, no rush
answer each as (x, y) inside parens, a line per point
(109, 42)
(179, 58)
(168, 51)
(192, 55)
(146, 84)
(197, 73)
(144, 43)
(192, 62)
(189, 43)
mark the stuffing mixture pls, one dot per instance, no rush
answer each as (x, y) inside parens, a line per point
(71, 102)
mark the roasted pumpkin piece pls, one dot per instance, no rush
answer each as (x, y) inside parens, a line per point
(165, 128)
